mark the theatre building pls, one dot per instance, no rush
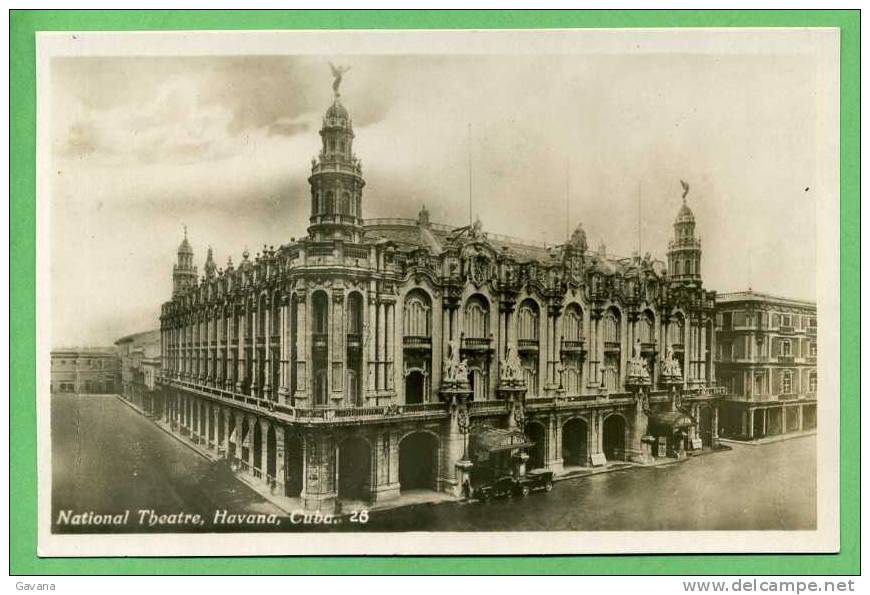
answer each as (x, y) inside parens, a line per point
(766, 360)
(361, 361)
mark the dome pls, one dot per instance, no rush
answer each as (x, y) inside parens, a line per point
(685, 214)
(337, 111)
(184, 246)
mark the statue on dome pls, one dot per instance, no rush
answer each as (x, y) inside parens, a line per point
(337, 72)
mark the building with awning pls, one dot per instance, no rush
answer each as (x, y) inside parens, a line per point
(487, 441)
(665, 423)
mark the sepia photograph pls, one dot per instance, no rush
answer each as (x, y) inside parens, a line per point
(438, 292)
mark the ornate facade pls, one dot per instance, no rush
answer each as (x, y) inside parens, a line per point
(352, 364)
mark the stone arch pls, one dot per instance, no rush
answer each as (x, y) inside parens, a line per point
(575, 436)
(354, 468)
(418, 461)
(614, 438)
(537, 433)
(475, 319)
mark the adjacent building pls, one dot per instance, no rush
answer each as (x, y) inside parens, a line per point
(360, 361)
(139, 356)
(85, 370)
(766, 359)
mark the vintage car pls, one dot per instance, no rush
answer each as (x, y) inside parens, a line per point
(534, 481)
(504, 486)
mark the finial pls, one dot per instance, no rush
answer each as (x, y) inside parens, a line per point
(185, 231)
(685, 189)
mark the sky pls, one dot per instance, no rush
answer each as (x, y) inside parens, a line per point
(144, 145)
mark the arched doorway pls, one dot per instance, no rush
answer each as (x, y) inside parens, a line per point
(271, 454)
(418, 462)
(574, 436)
(614, 438)
(354, 469)
(415, 384)
(537, 453)
(705, 426)
(293, 465)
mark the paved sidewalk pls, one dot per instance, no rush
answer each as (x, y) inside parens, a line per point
(769, 439)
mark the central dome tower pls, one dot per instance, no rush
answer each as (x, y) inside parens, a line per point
(336, 178)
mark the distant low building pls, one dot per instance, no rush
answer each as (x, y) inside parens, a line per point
(85, 370)
(766, 359)
(140, 365)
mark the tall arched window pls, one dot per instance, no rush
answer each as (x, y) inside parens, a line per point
(345, 204)
(417, 314)
(646, 327)
(354, 314)
(476, 319)
(330, 200)
(572, 323)
(527, 321)
(675, 330)
(611, 326)
(320, 305)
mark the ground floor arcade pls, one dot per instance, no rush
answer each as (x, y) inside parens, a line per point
(752, 420)
(329, 464)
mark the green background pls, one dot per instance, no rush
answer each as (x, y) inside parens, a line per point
(22, 484)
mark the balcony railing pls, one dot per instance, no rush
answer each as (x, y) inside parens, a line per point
(354, 340)
(319, 340)
(785, 359)
(572, 346)
(611, 346)
(527, 344)
(786, 329)
(417, 342)
(476, 343)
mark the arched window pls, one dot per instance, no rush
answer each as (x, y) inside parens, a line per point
(320, 305)
(476, 319)
(329, 202)
(646, 327)
(675, 331)
(354, 314)
(345, 204)
(571, 380)
(611, 326)
(812, 383)
(417, 315)
(527, 321)
(530, 375)
(572, 323)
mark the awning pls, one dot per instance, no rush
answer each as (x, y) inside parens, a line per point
(667, 421)
(488, 440)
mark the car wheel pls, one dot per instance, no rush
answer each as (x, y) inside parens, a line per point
(524, 491)
(548, 486)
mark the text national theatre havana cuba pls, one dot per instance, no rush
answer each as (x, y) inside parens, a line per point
(380, 356)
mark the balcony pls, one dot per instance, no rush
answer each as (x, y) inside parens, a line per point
(648, 347)
(611, 347)
(527, 345)
(785, 359)
(811, 331)
(417, 342)
(786, 329)
(576, 346)
(354, 341)
(476, 343)
(319, 340)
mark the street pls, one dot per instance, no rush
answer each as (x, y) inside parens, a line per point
(107, 459)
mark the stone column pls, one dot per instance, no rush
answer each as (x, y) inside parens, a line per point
(240, 361)
(390, 344)
(254, 333)
(280, 474)
(337, 350)
(264, 450)
(554, 461)
(319, 492)
(384, 459)
(302, 334)
(382, 345)
(266, 364)
(284, 370)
